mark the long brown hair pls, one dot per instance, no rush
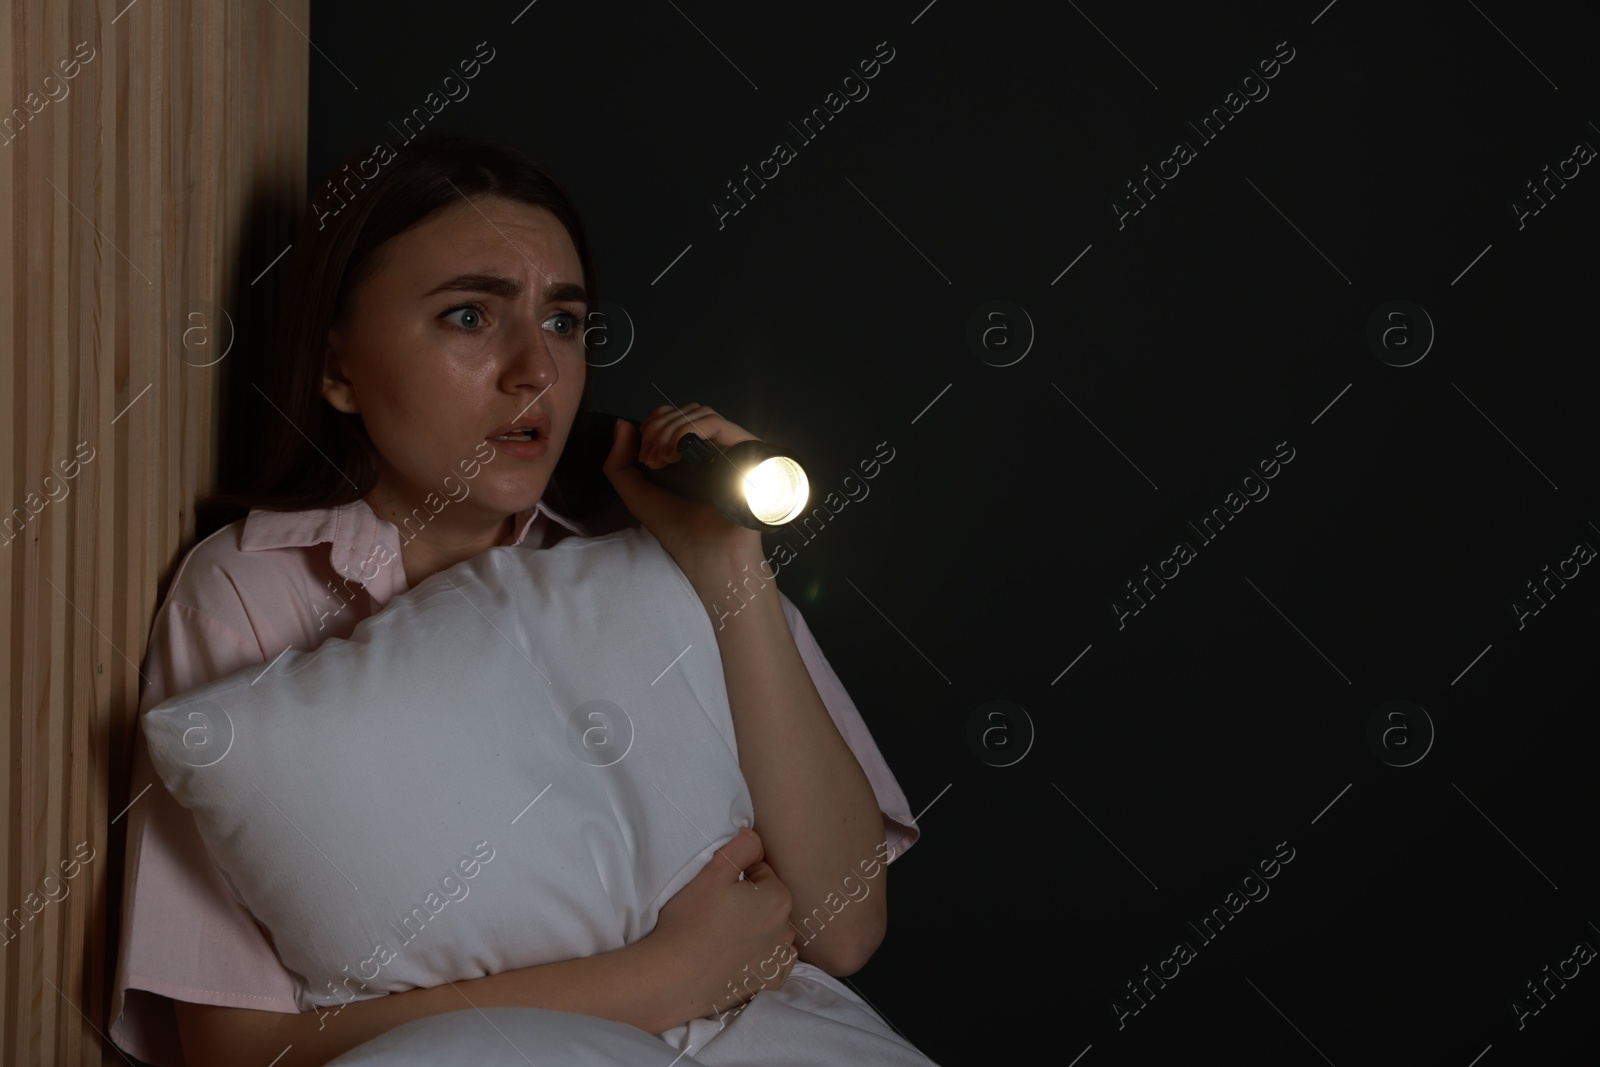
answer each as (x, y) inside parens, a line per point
(317, 456)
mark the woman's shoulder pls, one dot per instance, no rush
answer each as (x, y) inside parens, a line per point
(207, 564)
(258, 585)
(263, 559)
(276, 542)
(218, 566)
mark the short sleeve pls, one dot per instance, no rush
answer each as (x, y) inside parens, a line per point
(184, 937)
(900, 830)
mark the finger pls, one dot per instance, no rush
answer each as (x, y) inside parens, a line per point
(708, 426)
(742, 852)
(663, 436)
(630, 485)
(618, 465)
(624, 445)
(665, 412)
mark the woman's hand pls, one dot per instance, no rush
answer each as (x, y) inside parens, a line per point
(730, 936)
(706, 546)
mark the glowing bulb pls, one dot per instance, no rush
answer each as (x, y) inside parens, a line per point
(753, 483)
(776, 490)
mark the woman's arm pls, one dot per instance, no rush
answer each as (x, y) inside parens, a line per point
(815, 809)
(635, 985)
(707, 936)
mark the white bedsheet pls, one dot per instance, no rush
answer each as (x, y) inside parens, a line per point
(812, 1020)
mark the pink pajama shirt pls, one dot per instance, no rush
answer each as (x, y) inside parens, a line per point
(272, 581)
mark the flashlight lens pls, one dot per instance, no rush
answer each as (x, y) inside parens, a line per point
(776, 490)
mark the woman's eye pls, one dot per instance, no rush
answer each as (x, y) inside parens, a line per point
(567, 324)
(472, 317)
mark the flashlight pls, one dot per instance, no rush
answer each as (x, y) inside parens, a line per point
(754, 483)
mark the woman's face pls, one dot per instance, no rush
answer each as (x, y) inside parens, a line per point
(472, 320)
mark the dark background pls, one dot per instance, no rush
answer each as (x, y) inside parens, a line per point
(1229, 315)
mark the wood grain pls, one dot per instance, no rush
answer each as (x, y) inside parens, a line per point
(150, 187)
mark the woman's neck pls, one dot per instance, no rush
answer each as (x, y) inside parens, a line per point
(440, 544)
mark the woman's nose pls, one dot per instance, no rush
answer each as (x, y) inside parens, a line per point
(530, 362)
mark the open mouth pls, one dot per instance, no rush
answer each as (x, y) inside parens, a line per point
(525, 429)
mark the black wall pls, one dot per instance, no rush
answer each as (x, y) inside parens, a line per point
(1230, 321)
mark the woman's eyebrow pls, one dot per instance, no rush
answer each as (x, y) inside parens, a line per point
(510, 288)
(567, 291)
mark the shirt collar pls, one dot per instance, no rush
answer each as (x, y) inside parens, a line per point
(357, 534)
(525, 520)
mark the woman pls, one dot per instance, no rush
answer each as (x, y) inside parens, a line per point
(430, 367)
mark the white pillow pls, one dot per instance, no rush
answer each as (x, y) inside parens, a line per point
(371, 807)
(512, 1037)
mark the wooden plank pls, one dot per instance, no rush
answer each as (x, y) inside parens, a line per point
(130, 198)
